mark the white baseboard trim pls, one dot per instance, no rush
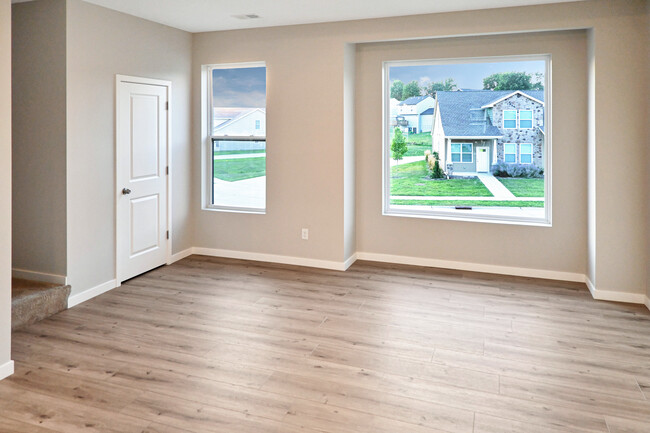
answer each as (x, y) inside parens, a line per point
(350, 261)
(91, 293)
(6, 369)
(603, 295)
(272, 258)
(180, 255)
(39, 276)
(610, 295)
(473, 267)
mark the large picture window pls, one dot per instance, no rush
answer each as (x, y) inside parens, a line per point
(236, 148)
(480, 151)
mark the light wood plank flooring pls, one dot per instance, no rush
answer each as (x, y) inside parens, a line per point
(216, 345)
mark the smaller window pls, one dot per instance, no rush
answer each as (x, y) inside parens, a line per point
(461, 152)
(509, 119)
(526, 153)
(510, 153)
(257, 124)
(526, 119)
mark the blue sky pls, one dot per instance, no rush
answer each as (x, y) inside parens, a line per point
(466, 75)
(239, 87)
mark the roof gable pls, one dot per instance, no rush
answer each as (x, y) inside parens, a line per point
(517, 92)
(456, 110)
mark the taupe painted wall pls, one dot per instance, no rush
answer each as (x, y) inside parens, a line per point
(5, 181)
(305, 136)
(306, 158)
(494, 244)
(39, 136)
(100, 44)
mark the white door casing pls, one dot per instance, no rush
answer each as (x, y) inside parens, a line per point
(482, 160)
(142, 181)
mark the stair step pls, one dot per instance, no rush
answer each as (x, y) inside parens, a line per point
(32, 301)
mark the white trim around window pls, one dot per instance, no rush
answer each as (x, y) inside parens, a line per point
(509, 120)
(520, 120)
(510, 149)
(529, 153)
(462, 153)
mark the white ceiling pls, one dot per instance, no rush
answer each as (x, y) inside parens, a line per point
(210, 15)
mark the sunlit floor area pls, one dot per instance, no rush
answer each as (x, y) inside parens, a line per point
(218, 345)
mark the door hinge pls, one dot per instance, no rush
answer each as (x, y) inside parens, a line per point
(167, 105)
(167, 170)
(167, 234)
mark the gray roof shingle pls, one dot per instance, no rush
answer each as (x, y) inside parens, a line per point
(414, 100)
(456, 107)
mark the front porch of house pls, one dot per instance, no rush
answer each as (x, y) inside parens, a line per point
(469, 156)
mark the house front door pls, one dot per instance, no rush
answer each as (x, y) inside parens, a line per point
(482, 160)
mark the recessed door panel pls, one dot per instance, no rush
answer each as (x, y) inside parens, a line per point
(144, 136)
(145, 227)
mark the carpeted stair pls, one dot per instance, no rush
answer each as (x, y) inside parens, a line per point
(32, 301)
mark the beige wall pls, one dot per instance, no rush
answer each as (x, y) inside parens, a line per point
(100, 44)
(305, 136)
(306, 158)
(39, 136)
(462, 241)
(5, 182)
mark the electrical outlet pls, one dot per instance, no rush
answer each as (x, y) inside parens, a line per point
(305, 234)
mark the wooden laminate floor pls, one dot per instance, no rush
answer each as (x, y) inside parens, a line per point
(215, 345)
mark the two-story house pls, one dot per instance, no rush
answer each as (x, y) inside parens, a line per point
(473, 130)
(416, 114)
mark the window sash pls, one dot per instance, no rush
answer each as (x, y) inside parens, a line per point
(462, 153)
(525, 119)
(526, 153)
(510, 153)
(509, 119)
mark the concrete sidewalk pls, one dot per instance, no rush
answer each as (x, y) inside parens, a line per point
(498, 190)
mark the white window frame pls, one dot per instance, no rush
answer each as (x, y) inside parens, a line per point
(531, 153)
(532, 119)
(475, 215)
(471, 153)
(207, 138)
(516, 119)
(510, 153)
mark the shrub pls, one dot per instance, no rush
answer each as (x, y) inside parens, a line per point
(433, 164)
(398, 146)
(501, 169)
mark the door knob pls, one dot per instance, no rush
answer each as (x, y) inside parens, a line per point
(126, 191)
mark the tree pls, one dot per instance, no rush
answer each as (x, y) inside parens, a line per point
(398, 145)
(513, 81)
(441, 86)
(433, 163)
(397, 90)
(411, 89)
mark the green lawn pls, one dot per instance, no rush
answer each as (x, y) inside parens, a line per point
(237, 152)
(474, 203)
(521, 187)
(239, 169)
(413, 179)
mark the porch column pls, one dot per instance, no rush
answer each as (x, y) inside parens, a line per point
(494, 151)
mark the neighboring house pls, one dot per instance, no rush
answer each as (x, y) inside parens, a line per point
(242, 122)
(410, 114)
(473, 130)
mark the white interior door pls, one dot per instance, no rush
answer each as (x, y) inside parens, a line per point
(141, 175)
(482, 165)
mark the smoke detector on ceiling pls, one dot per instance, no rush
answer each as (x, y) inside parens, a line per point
(246, 16)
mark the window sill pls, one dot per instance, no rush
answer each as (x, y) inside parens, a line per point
(473, 215)
(234, 210)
